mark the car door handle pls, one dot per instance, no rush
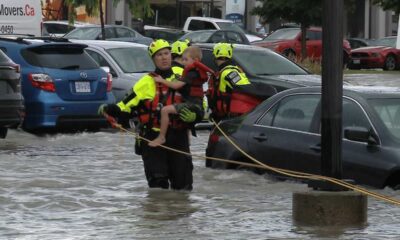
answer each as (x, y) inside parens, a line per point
(260, 137)
(316, 148)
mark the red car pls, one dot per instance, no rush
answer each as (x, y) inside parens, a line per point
(383, 54)
(287, 41)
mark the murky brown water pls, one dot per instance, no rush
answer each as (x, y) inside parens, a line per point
(92, 186)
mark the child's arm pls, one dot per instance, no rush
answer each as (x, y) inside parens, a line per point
(170, 84)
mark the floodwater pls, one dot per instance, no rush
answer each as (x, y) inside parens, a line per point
(92, 186)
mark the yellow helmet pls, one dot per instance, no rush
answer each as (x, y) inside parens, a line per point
(223, 50)
(179, 46)
(157, 45)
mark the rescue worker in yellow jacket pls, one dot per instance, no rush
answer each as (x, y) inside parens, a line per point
(163, 168)
(229, 78)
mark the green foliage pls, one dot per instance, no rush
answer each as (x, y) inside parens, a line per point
(393, 5)
(305, 12)
(139, 8)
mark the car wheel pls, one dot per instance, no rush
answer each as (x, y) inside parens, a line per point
(390, 63)
(3, 132)
(290, 54)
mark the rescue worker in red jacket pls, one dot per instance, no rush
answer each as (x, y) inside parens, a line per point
(230, 77)
(163, 168)
(191, 88)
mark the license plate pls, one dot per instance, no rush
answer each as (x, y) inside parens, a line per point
(356, 61)
(82, 87)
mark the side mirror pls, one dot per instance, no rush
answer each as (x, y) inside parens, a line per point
(361, 134)
(106, 69)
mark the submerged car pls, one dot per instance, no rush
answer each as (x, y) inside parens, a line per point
(285, 132)
(381, 54)
(11, 102)
(61, 84)
(127, 62)
(264, 66)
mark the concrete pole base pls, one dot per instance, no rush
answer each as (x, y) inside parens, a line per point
(324, 208)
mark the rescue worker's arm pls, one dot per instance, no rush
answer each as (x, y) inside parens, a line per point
(115, 110)
(144, 89)
(170, 84)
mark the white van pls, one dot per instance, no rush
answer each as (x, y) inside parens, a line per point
(20, 17)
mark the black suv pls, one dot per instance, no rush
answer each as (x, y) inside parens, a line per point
(11, 103)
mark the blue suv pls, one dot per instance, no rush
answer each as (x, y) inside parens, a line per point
(61, 84)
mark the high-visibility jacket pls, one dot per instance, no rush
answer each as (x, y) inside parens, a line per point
(225, 97)
(149, 97)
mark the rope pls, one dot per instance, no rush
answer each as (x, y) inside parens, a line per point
(258, 164)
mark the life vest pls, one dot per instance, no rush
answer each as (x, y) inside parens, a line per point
(233, 102)
(196, 86)
(149, 110)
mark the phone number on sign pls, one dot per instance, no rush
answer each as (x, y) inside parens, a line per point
(6, 29)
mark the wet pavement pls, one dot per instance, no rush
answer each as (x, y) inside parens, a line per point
(92, 186)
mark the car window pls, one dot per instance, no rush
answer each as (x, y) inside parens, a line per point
(208, 59)
(232, 37)
(54, 28)
(110, 33)
(353, 115)
(388, 110)
(132, 60)
(230, 26)
(197, 37)
(59, 57)
(84, 33)
(313, 35)
(98, 58)
(293, 112)
(200, 25)
(288, 33)
(264, 62)
(217, 37)
(123, 32)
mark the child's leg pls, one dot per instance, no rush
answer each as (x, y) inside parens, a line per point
(164, 121)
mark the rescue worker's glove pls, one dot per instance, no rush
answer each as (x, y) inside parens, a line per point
(102, 109)
(187, 115)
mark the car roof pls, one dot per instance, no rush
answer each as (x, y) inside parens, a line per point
(37, 41)
(211, 19)
(108, 44)
(235, 45)
(349, 90)
(65, 22)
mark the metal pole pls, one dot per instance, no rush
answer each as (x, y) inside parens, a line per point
(332, 88)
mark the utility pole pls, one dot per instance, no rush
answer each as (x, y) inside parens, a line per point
(332, 88)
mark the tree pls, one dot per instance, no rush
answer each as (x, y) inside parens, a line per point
(304, 12)
(139, 8)
(393, 5)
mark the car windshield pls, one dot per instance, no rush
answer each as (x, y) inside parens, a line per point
(197, 37)
(59, 57)
(265, 62)
(388, 110)
(285, 33)
(132, 60)
(389, 42)
(230, 26)
(84, 33)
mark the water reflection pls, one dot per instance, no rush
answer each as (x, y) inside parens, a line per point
(167, 205)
